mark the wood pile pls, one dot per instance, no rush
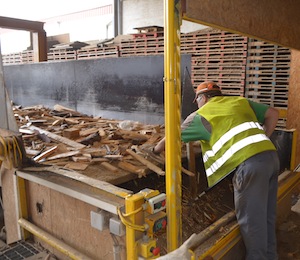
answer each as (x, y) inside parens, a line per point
(118, 150)
(114, 151)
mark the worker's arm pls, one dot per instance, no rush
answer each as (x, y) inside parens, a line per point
(270, 122)
(160, 146)
(193, 128)
(267, 116)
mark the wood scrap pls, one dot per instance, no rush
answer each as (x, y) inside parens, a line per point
(147, 163)
(61, 108)
(45, 154)
(89, 140)
(63, 155)
(58, 138)
(131, 135)
(71, 133)
(131, 168)
(187, 172)
(88, 131)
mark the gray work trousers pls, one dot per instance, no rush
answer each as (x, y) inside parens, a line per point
(255, 195)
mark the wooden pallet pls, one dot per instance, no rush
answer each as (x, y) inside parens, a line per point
(27, 57)
(99, 52)
(62, 54)
(12, 58)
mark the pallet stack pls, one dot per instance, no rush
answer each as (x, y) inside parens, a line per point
(148, 41)
(61, 54)
(12, 58)
(217, 56)
(98, 52)
(267, 74)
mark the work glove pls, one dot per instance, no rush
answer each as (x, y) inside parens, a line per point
(181, 253)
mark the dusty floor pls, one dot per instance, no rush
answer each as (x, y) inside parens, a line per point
(288, 236)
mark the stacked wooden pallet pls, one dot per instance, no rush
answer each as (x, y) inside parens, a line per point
(61, 54)
(217, 56)
(27, 57)
(98, 52)
(267, 74)
(12, 58)
(148, 41)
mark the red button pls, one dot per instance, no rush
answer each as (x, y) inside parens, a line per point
(155, 251)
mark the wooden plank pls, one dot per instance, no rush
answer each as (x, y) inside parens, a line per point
(126, 166)
(63, 155)
(58, 138)
(82, 178)
(45, 154)
(147, 163)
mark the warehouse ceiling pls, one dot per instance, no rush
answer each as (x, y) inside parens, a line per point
(274, 21)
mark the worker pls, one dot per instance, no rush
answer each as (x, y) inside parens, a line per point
(234, 135)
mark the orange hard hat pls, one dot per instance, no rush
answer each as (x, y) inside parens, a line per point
(205, 87)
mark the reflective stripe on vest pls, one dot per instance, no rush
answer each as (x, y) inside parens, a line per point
(233, 149)
(229, 135)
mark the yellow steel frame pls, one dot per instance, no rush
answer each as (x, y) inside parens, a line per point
(172, 94)
(132, 204)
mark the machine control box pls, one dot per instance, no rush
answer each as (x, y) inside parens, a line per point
(157, 222)
(157, 203)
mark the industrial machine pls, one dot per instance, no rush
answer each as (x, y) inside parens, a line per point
(140, 216)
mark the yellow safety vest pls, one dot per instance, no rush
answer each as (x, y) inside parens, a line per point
(236, 136)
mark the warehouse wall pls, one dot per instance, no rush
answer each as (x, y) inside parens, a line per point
(138, 13)
(123, 88)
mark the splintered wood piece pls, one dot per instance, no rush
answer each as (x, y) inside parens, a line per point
(58, 138)
(131, 168)
(61, 108)
(212, 229)
(71, 121)
(81, 158)
(109, 167)
(95, 152)
(150, 165)
(126, 134)
(71, 133)
(45, 154)
(187, 172)
(88, 131)
(63, 155)
(57, 122)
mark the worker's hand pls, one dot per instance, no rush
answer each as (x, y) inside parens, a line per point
(148, 148)
(181, 253)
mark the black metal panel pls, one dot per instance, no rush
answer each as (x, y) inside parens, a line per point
(283, 141)
(120, 88)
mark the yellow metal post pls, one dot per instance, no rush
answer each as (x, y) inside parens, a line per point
(23, 213)
(133, 203)
(172, 94)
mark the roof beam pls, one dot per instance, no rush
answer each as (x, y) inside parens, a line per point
(39, 42)
(274, 21)
(19, 24)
